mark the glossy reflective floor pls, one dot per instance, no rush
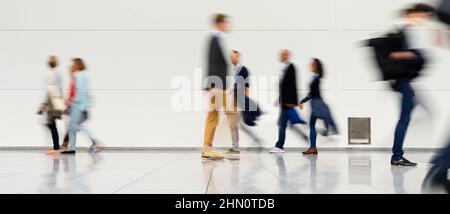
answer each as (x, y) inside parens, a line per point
(186, 172)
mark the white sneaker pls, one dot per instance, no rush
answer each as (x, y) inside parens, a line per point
(276, 150)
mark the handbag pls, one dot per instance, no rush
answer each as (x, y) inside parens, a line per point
(294, 117)
(56, 100)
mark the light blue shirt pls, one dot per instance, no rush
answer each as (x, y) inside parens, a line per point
(82, 98)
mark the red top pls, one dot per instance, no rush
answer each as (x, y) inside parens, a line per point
(71, 89)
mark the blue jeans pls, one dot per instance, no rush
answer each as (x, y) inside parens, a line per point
(403, 86)
(312, 131)
(282, 124)
(77, 117)
(320, 110)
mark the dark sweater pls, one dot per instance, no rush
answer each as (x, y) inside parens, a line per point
(242, 80)
(217, 65)
(314, 90)
(288, 87)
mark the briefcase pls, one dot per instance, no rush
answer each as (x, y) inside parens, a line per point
(56, 99)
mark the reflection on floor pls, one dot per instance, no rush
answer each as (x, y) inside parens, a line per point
(186, 172)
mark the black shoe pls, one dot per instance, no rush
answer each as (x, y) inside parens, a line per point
(68, 152)
(403, 162)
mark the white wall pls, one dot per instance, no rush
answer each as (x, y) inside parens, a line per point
(134, 49)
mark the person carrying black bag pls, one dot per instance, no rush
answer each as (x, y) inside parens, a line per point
(400, 64)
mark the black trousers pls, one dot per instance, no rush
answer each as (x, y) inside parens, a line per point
(55, 136)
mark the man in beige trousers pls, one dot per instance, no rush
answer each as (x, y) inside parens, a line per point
(215, 83)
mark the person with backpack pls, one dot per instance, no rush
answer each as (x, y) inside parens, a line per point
(400, 64)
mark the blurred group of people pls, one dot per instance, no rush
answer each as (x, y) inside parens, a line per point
(236, 102)
(399, 61)
(237, 105)
(75, 105)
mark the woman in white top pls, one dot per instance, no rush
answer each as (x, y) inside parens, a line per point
(53, 105)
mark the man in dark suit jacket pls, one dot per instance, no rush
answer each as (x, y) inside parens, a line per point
(288, 86)
(288, 98)
(217, 64)
(215, 83)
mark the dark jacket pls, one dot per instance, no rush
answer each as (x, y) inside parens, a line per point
(314, 90)
(250, 109)
(242, 80)
(216, 65)
(392, 68)
(288, 87)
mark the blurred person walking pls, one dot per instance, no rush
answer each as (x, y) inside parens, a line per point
(53, 105)
(241, 91)
(287, 100)
(400, 63)
(412, 16)
(437, 176)
(79, 108)
(216, 84)
(320, 109)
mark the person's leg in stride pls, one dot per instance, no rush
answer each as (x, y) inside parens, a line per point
(325, 132)
(95, 147)
(312, 150)
(233, 117)
(331, 126)
(75, 118)
(407, 105)
(212, 121)
(65, 143)
(437, 177)
(55, 136)
(282, 124)
(233, 122)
